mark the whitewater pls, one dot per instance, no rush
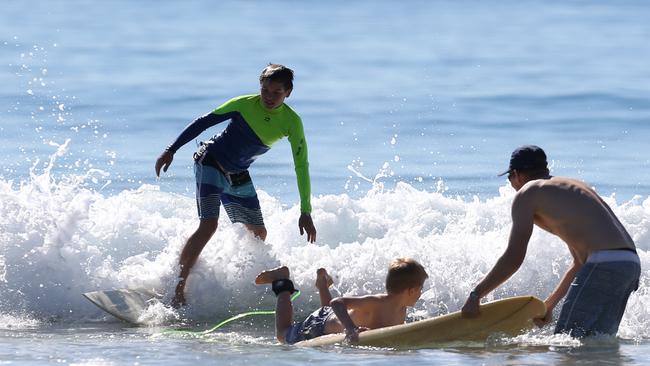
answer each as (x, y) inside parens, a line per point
(61, 238)
(410, 111)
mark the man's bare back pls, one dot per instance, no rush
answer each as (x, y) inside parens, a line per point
(571, 210)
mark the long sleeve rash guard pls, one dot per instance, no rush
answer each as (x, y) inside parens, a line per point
(251, 132)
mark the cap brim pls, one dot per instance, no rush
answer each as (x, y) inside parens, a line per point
(504, 173)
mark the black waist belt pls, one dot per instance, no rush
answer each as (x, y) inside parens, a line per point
(235, 179)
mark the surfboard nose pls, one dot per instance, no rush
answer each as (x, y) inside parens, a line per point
(124, 304)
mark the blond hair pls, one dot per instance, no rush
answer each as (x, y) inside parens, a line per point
(404, 273)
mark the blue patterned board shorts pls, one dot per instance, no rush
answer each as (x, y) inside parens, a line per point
(312, 327)
(213, 188)
(597, 298)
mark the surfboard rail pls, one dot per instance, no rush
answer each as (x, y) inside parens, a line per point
(124, 304)
(509, 316)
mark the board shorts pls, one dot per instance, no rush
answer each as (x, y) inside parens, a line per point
(236, 192)
(312, 327)
(598, 295)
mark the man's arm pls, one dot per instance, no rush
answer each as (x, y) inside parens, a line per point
(560, 291)
(512, 258)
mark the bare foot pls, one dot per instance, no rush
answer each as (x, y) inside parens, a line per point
(179, 295)
(323, 279)
(178, 301)
(270, 275)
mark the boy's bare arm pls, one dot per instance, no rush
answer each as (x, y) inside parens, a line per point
(341, 305)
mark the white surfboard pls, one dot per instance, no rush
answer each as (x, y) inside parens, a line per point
(124, 304)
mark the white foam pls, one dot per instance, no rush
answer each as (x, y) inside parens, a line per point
(158, 313)
(12, 322)
(59, 239)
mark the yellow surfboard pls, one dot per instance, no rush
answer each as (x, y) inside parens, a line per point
(509, 317)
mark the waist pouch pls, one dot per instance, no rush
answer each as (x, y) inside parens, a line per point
(235, 179)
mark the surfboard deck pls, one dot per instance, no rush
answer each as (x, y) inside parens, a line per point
(124, 304)
(511, 316)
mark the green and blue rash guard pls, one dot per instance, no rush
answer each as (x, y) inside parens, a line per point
(251, 132)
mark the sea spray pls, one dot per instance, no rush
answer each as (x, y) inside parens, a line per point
(60, 238)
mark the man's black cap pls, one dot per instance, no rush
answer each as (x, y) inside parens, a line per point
(527, 157)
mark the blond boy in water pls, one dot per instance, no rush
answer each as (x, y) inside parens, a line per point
(349, 314)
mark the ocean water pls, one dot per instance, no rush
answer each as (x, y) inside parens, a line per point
(410, 110)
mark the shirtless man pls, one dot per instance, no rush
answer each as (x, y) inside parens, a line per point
(606, 267)
(351, 314)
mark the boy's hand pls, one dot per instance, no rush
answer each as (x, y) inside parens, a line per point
(164, 160)
(352, 335)
(306, 224)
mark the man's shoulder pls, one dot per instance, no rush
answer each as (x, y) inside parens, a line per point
(542, 183)
(554, 189)
(528, 194)
(532, 186)
(553, 184)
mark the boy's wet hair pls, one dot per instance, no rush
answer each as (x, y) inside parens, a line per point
(279, 73)
(404, 273)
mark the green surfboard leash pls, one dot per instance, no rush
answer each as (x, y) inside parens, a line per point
(198, 333)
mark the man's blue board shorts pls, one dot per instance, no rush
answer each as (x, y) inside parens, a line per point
(239, 200)
(597, 298)
(312, 327)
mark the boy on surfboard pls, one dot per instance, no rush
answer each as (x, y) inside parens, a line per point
(606, 267)
(349, 314)
(221, 164)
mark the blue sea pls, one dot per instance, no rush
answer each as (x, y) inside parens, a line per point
(410, 110)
